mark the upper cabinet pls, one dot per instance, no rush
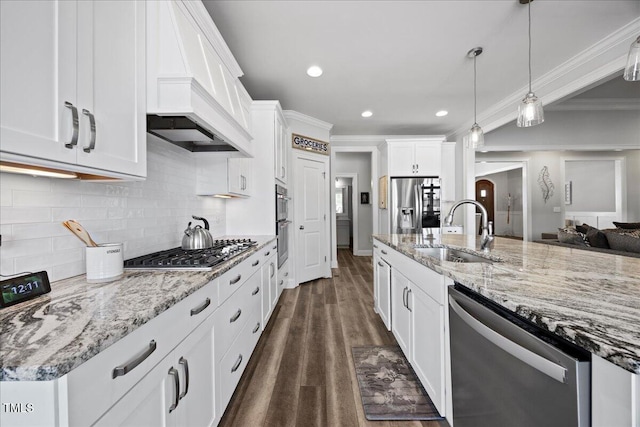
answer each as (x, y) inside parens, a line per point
(282, 148)
(72, 82)
(192, 73)
(223, 177)
(415, 157)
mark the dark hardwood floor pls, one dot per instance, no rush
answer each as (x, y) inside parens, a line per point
(301, 373)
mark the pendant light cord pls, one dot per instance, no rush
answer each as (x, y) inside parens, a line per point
(475, 101)
(530, 45)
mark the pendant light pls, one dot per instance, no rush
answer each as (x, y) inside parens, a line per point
(632, 70)
(476, 135)
(530, 109)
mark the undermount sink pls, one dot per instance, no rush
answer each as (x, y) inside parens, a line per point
(451, 255)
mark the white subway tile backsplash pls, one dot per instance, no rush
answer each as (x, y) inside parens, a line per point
(147, 216)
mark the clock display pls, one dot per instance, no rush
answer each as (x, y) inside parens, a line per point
(24, 288)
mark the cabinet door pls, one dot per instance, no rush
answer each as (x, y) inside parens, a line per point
(265, 289)
(400, 314)
(448, 173)
(401, 159)
(235, 177)
(427, 345)
(281, 150)
(148, 403)
(111, 85)
(382, 278)
(196, 365)
(427, 158)
(37, 77)
(273, 283)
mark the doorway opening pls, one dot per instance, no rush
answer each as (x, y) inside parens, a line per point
(346, 212)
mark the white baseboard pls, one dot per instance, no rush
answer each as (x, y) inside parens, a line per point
(334, 263)
(364, 252)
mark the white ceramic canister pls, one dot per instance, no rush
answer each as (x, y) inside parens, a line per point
(104, 262)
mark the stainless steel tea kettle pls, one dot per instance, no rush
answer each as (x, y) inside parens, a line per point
(197, 237)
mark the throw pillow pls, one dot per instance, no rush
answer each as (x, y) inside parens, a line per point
(572, 236)
(597, 238)
(627, 225)
(627, 242)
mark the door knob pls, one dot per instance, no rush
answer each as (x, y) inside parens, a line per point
(302, 227)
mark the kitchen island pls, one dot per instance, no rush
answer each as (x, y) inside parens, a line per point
(590, 299)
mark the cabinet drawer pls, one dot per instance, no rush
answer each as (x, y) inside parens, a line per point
(283, 277)
(92, 386)
(235, 312)
(232, 365)
(233, 279)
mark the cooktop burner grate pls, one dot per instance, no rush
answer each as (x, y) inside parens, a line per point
(201, 259)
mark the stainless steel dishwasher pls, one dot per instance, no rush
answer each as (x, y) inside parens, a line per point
(506, 371)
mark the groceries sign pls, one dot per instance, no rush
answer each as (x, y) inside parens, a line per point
(305, 143)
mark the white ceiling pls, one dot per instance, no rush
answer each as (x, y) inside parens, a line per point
(404, 60)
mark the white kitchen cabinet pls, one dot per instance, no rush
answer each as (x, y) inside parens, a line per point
(415, 157)
(448, 172)
(282, 148)
(283, 277)
(270, 288)
(382, 288)
(401, 304)
(73, 92)
(427, 344)
(179, 391)
(219, 176)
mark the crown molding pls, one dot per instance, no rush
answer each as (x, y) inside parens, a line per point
(600, 60)
(561, 147)
(294, 115)
(597, 104)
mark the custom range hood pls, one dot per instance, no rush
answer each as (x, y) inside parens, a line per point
(194, 97)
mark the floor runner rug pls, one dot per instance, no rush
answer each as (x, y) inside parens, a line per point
(389, 387)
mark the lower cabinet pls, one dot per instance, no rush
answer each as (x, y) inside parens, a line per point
(179, 391)
(270, 289)
(401, 311)
(382, 291)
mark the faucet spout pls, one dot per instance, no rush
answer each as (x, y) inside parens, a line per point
(486, 239)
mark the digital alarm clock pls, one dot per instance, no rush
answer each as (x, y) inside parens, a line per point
(24, 288)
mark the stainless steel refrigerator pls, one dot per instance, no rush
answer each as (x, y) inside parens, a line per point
(415, 204)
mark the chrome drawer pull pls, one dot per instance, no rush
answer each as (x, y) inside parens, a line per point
(92, 128)
(375, 246)
(384, 252)
(275, 247)
(255, 263)
(256, 290)
(185, 366)
(76, 124)
(268, 253)
(236, 280)
(235, 316)
(176, 383)
(237, 364)
(286, 274)
(281, 282)
(198, 310)
(124, 370)
(256, 328)
(380, 264)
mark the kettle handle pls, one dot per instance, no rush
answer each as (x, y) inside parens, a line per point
(206, 223)
(188, 230)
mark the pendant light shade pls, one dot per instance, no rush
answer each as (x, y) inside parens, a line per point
(476, 135)
(632, 70)
(530, 112)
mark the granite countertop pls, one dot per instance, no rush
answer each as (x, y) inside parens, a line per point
(591, 299)
(45, 338)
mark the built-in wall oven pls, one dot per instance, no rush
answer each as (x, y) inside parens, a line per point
(282, 224)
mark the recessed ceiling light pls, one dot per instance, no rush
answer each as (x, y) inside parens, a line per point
(367, 113)
(484, 151)
(442, 113)
(314, 71)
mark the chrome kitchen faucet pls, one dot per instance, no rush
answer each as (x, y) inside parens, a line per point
(486, 241)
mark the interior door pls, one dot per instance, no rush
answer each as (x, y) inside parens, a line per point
(485, 195)
(310, 208)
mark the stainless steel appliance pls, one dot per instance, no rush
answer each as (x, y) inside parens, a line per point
(415, 204)
(197, 237)
(282, 224)
(506, 371)
(192, 259)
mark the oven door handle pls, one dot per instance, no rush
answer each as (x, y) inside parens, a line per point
(283, 223)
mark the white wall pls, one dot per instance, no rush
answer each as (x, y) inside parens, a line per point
(146, 216)
(360, 164)
(593, 185)
(507, 183)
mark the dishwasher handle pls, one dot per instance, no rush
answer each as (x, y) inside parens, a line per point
(553, 370)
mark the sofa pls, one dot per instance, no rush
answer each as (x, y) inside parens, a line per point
(623, 240)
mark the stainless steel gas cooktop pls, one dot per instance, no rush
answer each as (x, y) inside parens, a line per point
(197, 259)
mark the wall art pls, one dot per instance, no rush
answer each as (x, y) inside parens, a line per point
(544, 181)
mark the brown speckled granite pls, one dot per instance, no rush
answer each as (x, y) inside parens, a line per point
(47, 337)
(591, 299)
